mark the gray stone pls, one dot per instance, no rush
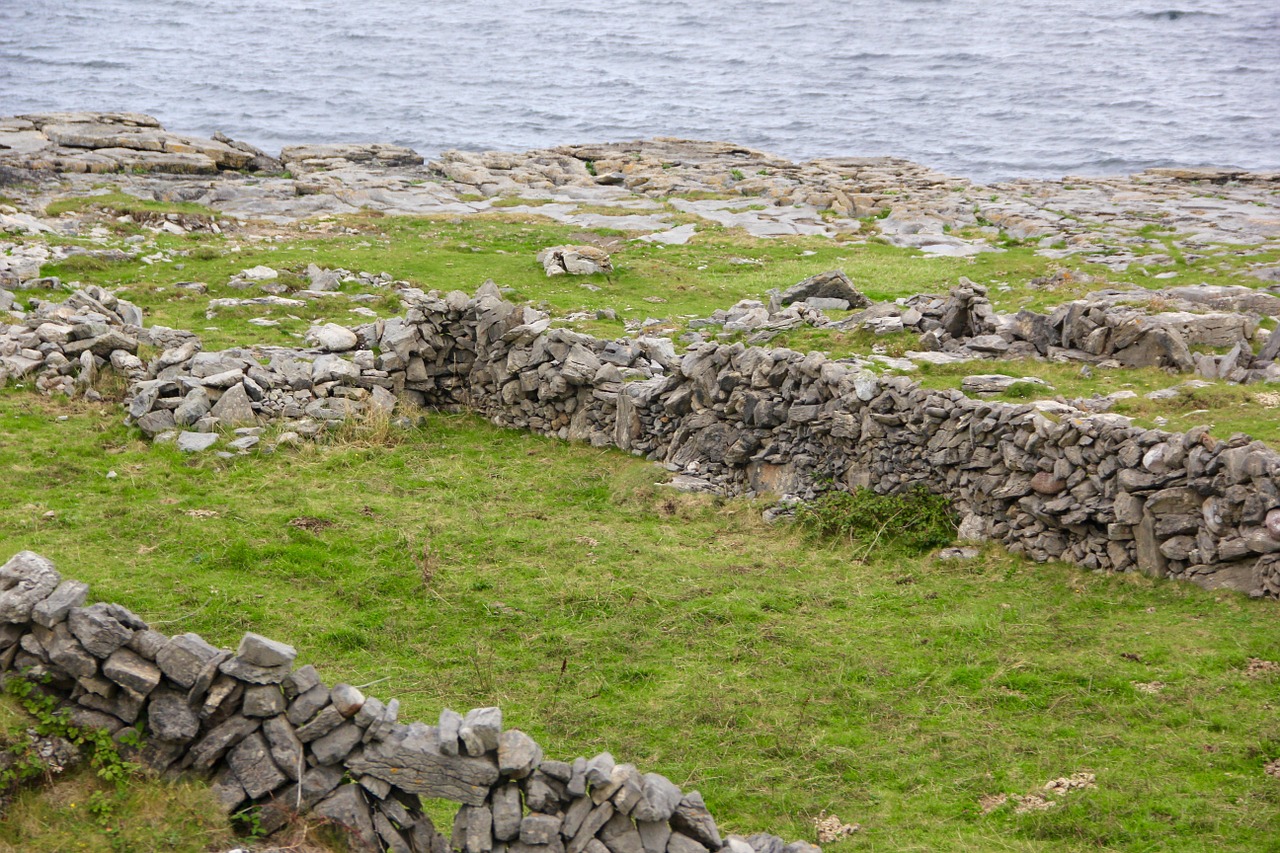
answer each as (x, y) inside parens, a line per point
(658, 799)
(629, 784)
(410, 758)
(131, 670)
(286, 750)
(321, 724)
(154, 423)
(370, 712)
(184, 657)
(599, 770)
(762, 842)
(507, 812)
(591, 824)
(98, 629)
(348, 807)
(227, 790)
(194, 442)
(55, 608)
(193, 407)
(25, 580)
(450, 724)
(263, 700)
(346, 699)
(210, 748)
(170, 717)
(306, 706)
(300, 681)
(539, 828)
(252, 764)
(692, 818)
(239, 668)
(544, 794)
(332, 338)
(260, 651)
(654, 835)
(833, 284)
(681, 843)
(317, 782)
(480, 730)
(479, 832)
(619, 834)
(390, 836)
(518, 755)
(147, 643)
(337, 744)
(65, 651)
(575, 815)
(561, 771)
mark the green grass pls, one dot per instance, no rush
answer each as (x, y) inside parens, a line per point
(79, 811)
(764, 666)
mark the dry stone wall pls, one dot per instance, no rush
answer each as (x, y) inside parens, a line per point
(274, 737)
(1093, 490)
(1052, 484)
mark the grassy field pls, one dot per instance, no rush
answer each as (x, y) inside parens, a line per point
(775, 672)
(784, 675)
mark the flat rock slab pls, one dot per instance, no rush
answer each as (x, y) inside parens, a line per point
(410, 758)
(194, 442)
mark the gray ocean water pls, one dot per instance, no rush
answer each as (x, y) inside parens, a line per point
(984, 88)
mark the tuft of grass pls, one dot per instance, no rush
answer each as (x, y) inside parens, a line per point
(883, 527)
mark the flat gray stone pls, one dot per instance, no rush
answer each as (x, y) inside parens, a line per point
(194, 442)
(260, 651)
(52, 610)
(263, 700)
(252, 764)
(170, 717)
(337, 744)
(131, 670)
(234, 408)
(65, 651)
(183, 658)
(209, 750)
(539, 829)
(286, 750)
(507, 812)
(410, 758)
(480, 730)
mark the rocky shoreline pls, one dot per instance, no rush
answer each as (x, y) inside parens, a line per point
(909, 205)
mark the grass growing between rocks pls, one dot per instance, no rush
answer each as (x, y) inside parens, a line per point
(777, 671)
(78, 810)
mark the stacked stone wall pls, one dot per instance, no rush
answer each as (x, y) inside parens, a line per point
(1049, 482)
(276, 739)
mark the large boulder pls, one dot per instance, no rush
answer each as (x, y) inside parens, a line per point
(833, 284)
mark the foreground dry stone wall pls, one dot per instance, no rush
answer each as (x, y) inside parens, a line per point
(1051, 484)
(275, 737)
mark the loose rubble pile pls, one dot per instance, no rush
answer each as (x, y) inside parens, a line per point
(279, 740)
(1051, 483)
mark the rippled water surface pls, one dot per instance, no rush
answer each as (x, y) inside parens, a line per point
(984, 88)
